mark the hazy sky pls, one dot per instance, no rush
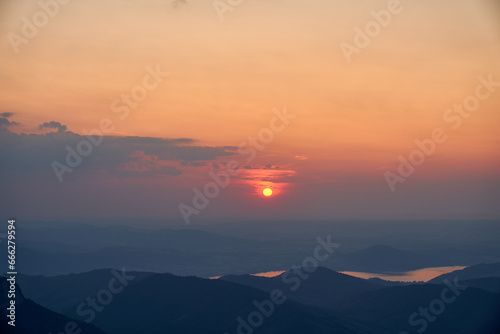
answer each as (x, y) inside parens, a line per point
(353, 119)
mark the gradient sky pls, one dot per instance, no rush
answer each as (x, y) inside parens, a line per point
(225, 79)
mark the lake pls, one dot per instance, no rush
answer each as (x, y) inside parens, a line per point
(424, 274)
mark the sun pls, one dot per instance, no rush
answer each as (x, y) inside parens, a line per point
(267, 192)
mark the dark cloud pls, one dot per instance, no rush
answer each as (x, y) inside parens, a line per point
(4, 122)
(120, 156)
(53, 125)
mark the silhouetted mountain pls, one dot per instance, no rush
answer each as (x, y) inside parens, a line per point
(159, 303)
(389, 310)
(164, 303)
(322, 288)
(32, 318)
(477, 271)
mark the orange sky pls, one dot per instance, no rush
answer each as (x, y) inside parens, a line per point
(225, 77)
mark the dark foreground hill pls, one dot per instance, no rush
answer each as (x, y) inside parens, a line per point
(164, 303)
(435, 309)
(169, 304)
(32, 318)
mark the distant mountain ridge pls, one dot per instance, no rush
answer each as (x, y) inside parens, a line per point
(61, 248)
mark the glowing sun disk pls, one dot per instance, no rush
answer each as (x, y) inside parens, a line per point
(267, 192)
